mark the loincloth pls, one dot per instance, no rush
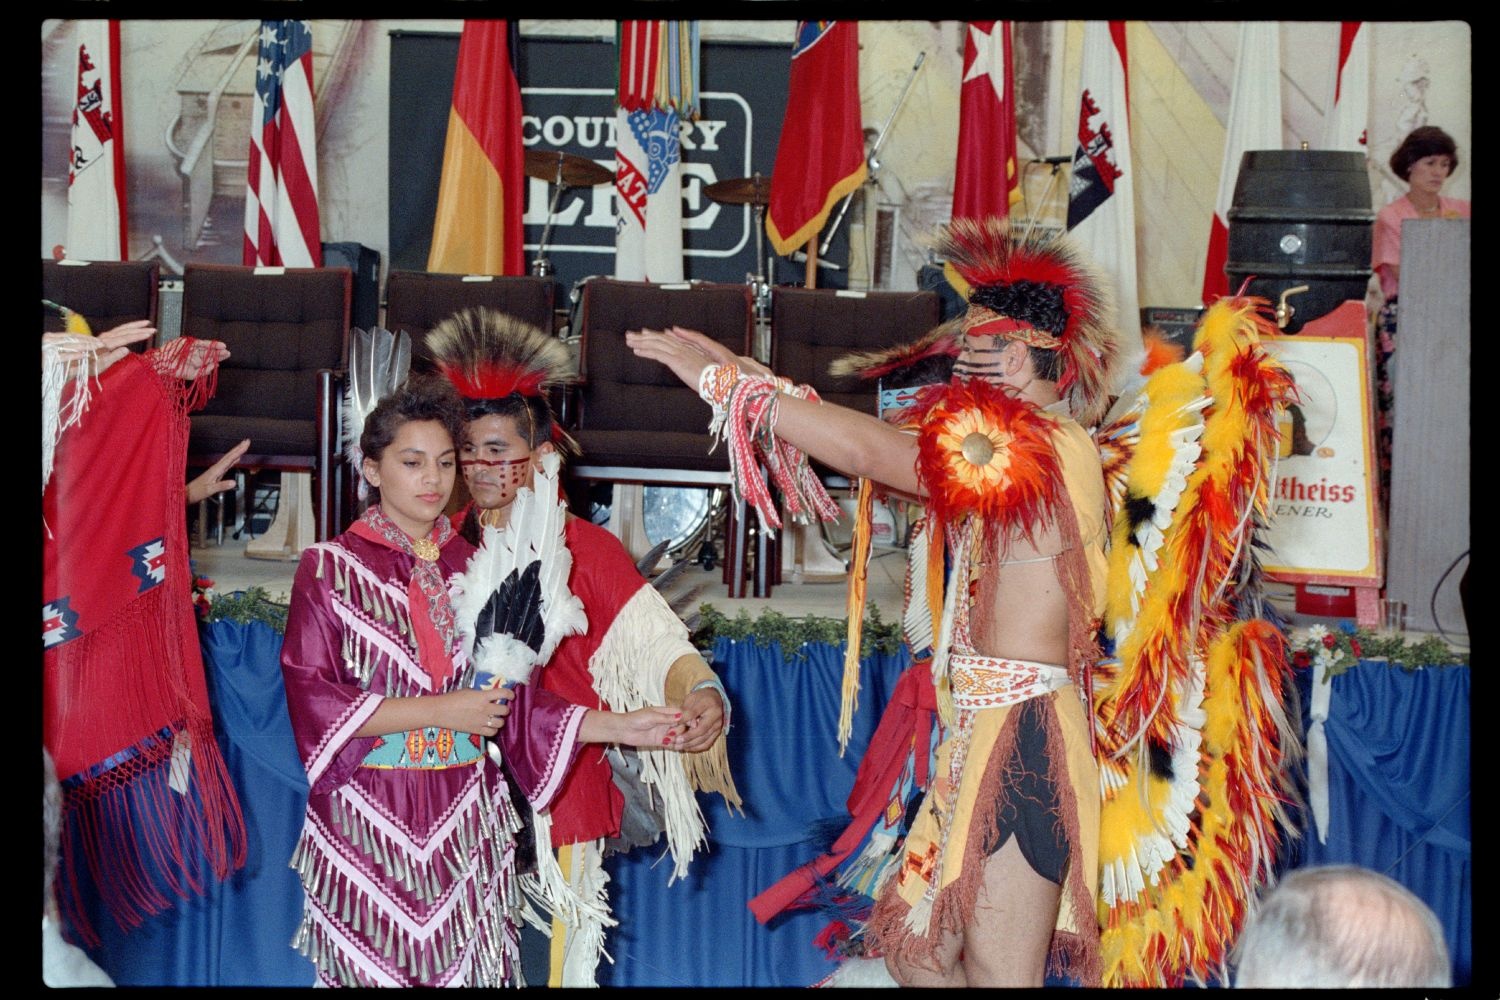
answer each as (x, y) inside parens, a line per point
(1020, 768)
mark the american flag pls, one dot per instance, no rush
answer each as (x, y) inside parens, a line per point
(281, 192)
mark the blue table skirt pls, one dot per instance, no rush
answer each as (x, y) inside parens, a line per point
(239, 932)
(1398, 788)
(1399, 798)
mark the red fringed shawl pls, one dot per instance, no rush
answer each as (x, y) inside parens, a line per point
(147, 797)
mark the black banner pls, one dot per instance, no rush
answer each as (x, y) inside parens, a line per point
(567, 99)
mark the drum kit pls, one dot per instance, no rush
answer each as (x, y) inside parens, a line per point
(684, 517)
(562, 171)
(756, 192)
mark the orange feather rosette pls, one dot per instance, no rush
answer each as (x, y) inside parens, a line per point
(987, 453)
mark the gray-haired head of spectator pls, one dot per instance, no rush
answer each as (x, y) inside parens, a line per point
(51, 828)
(1342, 926)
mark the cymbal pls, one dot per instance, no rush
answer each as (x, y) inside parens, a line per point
(576, 170)
(741, 191)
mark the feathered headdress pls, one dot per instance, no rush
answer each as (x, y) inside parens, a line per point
(379, 362)
(936, 345)
(489, 355)
(1040, 293)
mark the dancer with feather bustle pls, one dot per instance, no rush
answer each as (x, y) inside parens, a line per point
(996, 875)
(1188, 714)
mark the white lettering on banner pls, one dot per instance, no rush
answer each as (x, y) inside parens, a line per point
(589, 131)
(586, 138)
(601, 207)
(558, 130)
(723, 141)
(698, 212)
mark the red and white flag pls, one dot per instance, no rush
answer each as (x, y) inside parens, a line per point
(1348, 114)
(1101, 191)
(96, 170)
(1254, 123)
(281, 191)
(658, 87)
(986, 179)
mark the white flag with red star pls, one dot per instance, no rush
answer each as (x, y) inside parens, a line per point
(1101, 191)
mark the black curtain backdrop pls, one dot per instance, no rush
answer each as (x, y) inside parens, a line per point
(568, 100)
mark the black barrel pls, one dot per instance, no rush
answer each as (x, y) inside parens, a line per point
(1301, 217)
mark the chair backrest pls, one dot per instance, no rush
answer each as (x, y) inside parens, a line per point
(811, 327)
(416, 301)
(281, 329)
(634, 411)
(106, 293)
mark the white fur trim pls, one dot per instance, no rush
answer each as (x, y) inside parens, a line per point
(59, 355)
(630, 672)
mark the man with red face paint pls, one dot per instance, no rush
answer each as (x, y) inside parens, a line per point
(635, 651)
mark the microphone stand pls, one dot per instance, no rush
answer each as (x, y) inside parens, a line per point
(874, 164)
(1046, 193)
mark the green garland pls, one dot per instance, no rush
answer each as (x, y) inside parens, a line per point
(794, 633)
(246, 606)
(1344, 646)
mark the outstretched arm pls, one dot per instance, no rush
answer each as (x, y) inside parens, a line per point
(855, 443)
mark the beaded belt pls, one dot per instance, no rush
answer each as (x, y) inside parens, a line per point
(429, 749)
(990, 682)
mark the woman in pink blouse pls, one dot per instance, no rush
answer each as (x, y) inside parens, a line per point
(1425, 160)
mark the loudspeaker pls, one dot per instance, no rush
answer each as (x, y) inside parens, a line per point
(1179, 325)
(930, 278)
(168, 310)
(364, 262)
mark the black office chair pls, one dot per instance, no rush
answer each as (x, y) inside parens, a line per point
(106, 293)
(417, 301)
(281, 387)
(811, 327)
(636, 423)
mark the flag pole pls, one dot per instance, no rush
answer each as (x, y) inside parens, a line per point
(812, 262)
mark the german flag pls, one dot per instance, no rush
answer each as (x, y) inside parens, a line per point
(477, 229)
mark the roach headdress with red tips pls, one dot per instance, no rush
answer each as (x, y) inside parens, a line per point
(1040, 293)
(490, 355)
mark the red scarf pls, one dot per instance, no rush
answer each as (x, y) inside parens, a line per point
(426, 590)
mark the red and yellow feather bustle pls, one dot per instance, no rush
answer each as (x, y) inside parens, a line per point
(1192, 733)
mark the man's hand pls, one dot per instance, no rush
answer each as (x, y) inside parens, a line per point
(686, 358)
(212, 480)
(703, 715)
(721, 354)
